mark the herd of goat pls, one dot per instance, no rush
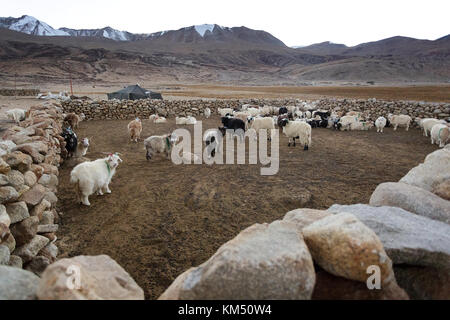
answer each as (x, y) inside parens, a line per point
(91, 177)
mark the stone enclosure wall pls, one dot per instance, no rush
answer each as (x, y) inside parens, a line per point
(30, 157)
(19, 92)
(127, 109)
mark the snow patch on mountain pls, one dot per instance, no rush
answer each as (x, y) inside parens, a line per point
(201, 29)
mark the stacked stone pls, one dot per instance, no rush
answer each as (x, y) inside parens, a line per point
(128, 109)
(30, 157)
(374, 108)
(19, 92)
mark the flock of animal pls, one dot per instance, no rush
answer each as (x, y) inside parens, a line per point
(91, 177)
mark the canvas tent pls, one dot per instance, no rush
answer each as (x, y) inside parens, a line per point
(134, 93)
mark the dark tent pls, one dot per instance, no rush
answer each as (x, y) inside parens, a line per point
(134, 93)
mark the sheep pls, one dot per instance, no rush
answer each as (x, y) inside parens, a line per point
(94, 176)
(253, 112)
(180, 120)
(353, 114)
(191, 120)
(160, 120)
(428, 124)
(235, 124)
(361, 125)
(135, 129)
(323, 115)
(16, 114)
(265, 123)
(400, 120)
(82, 148)
(345, 122)
(297, 129)
(224, 111)
(440, 134)
(153, 117)
(73, 120)
(207, 113)
(308, 114)
(380, 123)
(159, 144)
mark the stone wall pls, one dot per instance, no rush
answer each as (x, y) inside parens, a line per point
(19, 92)
(30, 157)
(128, 109)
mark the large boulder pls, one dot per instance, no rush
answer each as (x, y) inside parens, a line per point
(424, 283)
(304, 217)
(412, 199)
(345, 247)
(4, 254)
(443, 189)
(407, 238)
(17, 284)
(434, 170)
(330, 287)
(265, 261)
(100, 278)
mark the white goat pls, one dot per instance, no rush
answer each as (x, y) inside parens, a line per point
(180, 120)
(160, 120)
(346, 122)
(16, 114)
(440, 134)
(224, 111)
(207, 113)
(380, 123)
(297, 129)
(82, 148)
(400, 120)
(428, 124)
(94, 176)
(159, 144)
(265, 123)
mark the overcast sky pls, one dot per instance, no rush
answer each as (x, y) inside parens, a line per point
(295, 22)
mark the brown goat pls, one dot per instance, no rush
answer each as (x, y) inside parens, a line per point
(135, 129)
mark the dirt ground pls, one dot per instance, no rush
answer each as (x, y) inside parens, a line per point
(162, 219)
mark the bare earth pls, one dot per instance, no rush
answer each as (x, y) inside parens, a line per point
(162, 219)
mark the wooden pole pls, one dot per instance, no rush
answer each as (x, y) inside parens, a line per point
(15, 86)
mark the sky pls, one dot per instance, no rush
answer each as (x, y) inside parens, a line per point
(295, 22)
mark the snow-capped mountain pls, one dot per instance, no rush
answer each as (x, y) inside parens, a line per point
(30, 25)
(191, 34)
(106, 32)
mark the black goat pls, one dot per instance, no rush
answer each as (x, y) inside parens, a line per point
(71, 139)
(282, 110)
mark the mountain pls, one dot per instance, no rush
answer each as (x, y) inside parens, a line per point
(324, 48)
(209, 53)
(30, 25)
(192, 34)
(107, 32)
